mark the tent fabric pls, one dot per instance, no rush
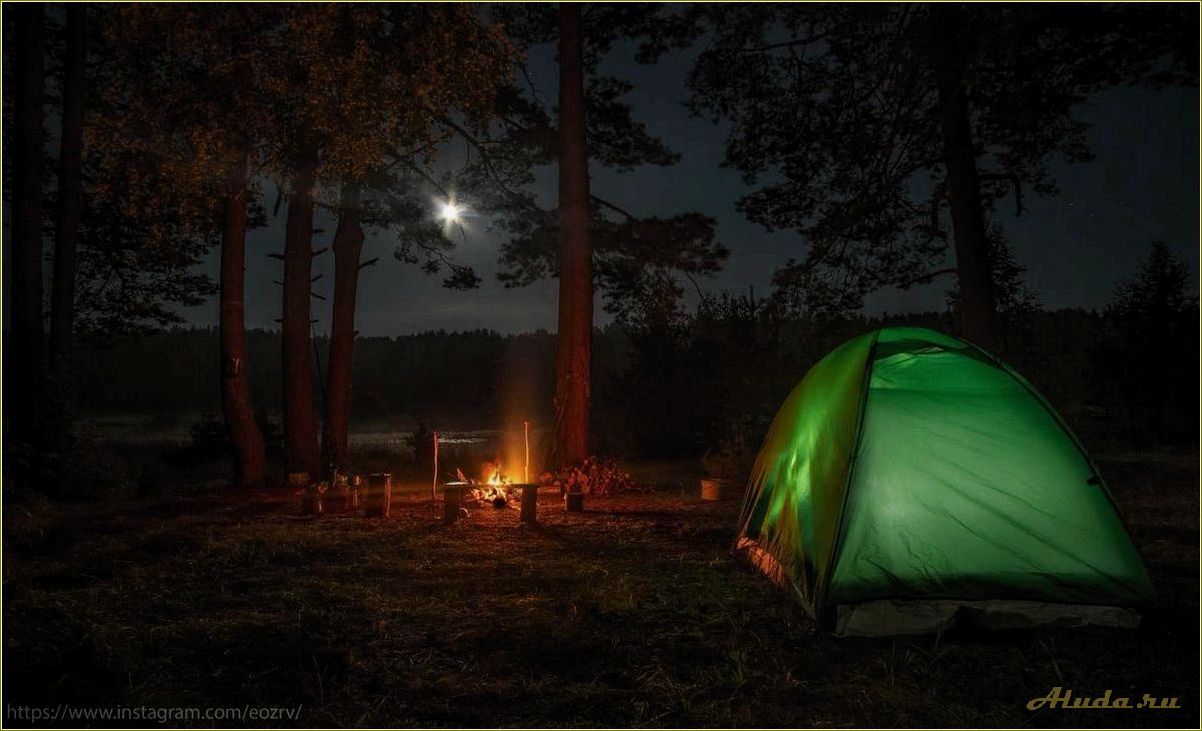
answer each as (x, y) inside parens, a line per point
(912, 466)
(799, 476)
(885, 617)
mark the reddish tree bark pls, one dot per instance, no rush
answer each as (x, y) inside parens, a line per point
(245, 435)
(70, 166)
(300, 422)
(347, 246)
(977, 308)
(574, 339)
(24, 355)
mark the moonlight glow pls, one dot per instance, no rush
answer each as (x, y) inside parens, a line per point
(450, 212)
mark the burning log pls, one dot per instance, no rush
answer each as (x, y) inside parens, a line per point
(497, 495)
(493, 488)
(490, 473)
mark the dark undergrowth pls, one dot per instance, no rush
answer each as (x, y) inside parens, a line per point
(630, 614)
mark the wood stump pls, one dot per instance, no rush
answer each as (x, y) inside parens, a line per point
(452, 501)
(377, 498)
(529, 512)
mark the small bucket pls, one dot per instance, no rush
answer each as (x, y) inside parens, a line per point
(716, 489)
(573, 502)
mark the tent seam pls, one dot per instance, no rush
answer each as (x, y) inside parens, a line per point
(822, 589)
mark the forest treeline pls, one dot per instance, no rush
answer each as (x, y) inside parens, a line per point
(892, 141)
(709, 383)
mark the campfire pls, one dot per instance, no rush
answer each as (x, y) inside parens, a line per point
(494, 487)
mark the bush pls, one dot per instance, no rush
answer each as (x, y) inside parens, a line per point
(210, 440)
(421, 446)
(78, 465)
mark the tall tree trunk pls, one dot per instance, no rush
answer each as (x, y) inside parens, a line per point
(574, 340)
(24, 356)
(348, 244)
(70, 166)
(975, 274)
(244, 431)
(300, 422)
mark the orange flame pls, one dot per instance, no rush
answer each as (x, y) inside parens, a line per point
(493, 484)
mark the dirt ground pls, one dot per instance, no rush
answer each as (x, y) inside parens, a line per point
(632, 613)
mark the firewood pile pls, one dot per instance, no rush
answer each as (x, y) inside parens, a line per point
(593, 476)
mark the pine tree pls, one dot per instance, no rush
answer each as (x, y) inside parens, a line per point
(861, 127)
(1153, 362)
(588, 242)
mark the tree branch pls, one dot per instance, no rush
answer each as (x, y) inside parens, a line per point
(1015, 183)
(486, 158)
(613, 207)
(696, 286)
(479, 147)
(786, 44)
(422, 174)
(926, 278)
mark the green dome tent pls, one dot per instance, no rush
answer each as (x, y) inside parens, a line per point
(912, 480)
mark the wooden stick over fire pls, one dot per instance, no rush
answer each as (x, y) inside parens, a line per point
(526, 468)
(434, 485)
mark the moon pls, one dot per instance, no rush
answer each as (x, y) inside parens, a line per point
(450, 212)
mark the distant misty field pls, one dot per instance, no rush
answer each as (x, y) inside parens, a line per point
(176, 429)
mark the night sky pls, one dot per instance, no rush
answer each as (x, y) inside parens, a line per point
(1143, 185)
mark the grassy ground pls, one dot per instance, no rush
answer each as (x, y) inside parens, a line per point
(630, 614)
